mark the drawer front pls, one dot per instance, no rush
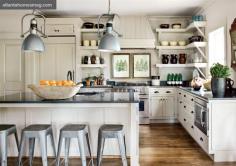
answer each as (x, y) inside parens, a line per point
(161, 91)
(56, 29)
(188, 98)
(188, 109)
(202, 139)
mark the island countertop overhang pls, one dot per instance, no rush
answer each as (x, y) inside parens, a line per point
(104, 97)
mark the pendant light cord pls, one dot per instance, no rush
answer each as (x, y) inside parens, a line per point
(109, 6)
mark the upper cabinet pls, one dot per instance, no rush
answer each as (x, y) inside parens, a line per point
(136, 31)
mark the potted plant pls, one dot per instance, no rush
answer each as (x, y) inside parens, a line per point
(219, 74)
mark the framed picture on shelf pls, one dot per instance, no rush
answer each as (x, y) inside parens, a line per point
(141, 65)
(120, 65)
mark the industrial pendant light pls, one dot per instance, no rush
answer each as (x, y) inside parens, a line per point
(109, 41)
(33, 41)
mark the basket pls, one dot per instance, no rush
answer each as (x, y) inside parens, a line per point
(54, 92)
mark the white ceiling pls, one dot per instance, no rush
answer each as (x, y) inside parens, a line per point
(128, 7)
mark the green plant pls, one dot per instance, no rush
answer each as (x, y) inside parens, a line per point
(219, 71)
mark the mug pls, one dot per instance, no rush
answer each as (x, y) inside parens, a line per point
(93, 43)
(86, 43)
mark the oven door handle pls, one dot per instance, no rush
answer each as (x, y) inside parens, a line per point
(202, 111)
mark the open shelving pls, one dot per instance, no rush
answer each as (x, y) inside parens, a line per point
(93, 65)
(88, 47)
(189, 46)
(199, 65)
(91, 30)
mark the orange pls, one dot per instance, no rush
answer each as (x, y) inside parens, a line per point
(44, 82)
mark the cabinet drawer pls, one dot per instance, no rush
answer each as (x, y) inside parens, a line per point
(188, 109)
(188, 98)
(161, 91)
(201, 139)
(59, 29)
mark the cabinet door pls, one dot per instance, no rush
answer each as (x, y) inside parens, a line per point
(156, 107)
(169, 106)
(64, 60)
(56, 61)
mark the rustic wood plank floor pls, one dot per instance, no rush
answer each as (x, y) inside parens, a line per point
(160, 145)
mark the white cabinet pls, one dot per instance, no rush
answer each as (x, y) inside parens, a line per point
(162, 103)
(59, 29)
(11, 66)
(156, 107)
(58, 59)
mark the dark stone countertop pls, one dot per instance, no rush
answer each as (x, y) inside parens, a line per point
(104, 97)
(207, 95)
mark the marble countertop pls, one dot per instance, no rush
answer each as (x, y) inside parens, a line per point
(104, 97)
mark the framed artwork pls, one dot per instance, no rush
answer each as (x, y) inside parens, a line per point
(121, 65)
(141, 65)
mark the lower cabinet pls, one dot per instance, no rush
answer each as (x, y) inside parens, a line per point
(162, 107)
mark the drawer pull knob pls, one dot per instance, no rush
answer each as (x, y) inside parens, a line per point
(184, 95)
(192, 112)
(192, 127)
(156, 92)
(184, 106)
(201, 139)
(179, 93)
(168, 91)
(180, 102)
(191, 99)
(185, 120)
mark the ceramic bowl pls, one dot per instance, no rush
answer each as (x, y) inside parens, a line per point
(173, 43)
(182, 43)
(176, 26)
(164, 43)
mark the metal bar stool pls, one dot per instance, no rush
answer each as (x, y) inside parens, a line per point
(79, 131)
(6, 130)
(111, 131)
(32, 132)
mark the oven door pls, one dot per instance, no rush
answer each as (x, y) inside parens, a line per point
(201, 118)
(143, 106)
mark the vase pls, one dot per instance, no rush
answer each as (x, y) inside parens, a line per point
(165, 59)
(173, 59)
(182, 58)
(218, 87)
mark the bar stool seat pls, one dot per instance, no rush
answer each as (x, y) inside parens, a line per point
(6, 130)
(79, 131)
(111, 131)
(40, 131)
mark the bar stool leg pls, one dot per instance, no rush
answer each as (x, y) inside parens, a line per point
(31, 149)
(53, 143)
(21, 148)
(81, 148)
(101, 142)
(17, 141)
(3, 144)
(43, 146)
(122, 149)
(89, 148)
(67, 151)
(59, 150)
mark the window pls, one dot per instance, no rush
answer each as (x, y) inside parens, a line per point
(217, 47)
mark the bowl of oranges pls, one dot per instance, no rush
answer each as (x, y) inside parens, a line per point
(55, 90)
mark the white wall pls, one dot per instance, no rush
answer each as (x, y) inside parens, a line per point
(218, 14)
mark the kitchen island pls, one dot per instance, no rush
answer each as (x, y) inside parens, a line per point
(95, 109)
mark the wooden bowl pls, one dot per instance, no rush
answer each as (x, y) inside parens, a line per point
(54, 92)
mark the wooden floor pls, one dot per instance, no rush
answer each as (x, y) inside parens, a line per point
(160, 145)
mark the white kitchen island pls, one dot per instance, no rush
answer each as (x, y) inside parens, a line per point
(24, 109)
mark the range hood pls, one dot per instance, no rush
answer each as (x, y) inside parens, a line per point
(136, 31)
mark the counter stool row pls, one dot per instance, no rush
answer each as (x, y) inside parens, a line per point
(79, 131)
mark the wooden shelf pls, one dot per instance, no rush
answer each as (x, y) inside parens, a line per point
(88, 48)
(191, 45)
(198, 65)
(191, 27)
(93, 65)
(91, 30)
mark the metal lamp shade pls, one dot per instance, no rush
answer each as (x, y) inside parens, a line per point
(33, 43)
(109, 43)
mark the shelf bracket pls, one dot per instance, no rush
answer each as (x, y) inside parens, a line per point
(201, 32)
(202, 74)
(202, 53)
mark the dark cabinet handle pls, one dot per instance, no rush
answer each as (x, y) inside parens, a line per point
(168, 91)
(201, 139)
(180, 102)
(192, 112)
(184, 106)
(179, 93)
(184, 95)
(156, 92)
(191, 99)
(192, 127)
(185, 120)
